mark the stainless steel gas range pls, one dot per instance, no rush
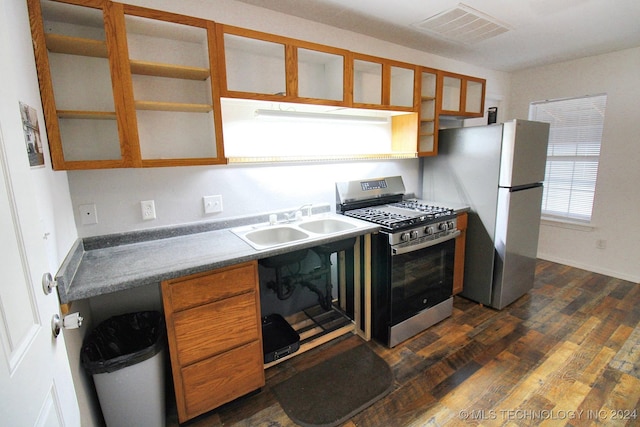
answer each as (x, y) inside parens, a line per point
(412, 257)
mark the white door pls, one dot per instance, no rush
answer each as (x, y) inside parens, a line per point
(36, 387)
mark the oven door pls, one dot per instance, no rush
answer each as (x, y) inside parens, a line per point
(421, 279)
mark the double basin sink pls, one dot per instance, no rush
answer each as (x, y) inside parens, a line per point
(266, 236)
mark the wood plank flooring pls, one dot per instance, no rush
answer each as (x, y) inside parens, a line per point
(567, 353)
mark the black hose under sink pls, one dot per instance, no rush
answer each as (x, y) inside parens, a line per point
(284, 286)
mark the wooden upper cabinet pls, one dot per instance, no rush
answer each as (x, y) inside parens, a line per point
(382, 83)
(461, 95)
(127, 86)
(428, 117)
(252, 64)
(78, 72)
(121, 86)
(257, 65)
(171, 83)
(322, 74)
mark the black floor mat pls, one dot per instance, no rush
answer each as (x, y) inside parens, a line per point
(333, 391)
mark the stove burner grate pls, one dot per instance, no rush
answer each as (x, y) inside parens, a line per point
(416, 213)
(377, 216)
(416, 205)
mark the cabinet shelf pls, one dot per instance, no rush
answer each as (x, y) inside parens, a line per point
(173, 106)
(168, 70)
(428, 120)
(316, 327)
(84, 114)
(59, 43)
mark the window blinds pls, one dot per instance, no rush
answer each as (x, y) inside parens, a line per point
(572, 158)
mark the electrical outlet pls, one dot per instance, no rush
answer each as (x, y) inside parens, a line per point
(148, 210)
(88, 214)
(212, 204)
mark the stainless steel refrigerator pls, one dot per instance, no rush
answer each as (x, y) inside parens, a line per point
(497, 171)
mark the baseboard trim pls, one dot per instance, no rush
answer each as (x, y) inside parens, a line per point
(606, 272)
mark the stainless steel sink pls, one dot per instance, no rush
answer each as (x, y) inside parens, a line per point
(276, 235)
(265, 236)
(326, 226)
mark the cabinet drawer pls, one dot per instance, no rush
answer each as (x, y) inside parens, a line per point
(216, 327)
(220, 379)
(208, 287)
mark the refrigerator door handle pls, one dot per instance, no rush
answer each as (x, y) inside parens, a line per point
(523, 187)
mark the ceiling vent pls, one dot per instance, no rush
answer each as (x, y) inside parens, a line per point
(462, 24)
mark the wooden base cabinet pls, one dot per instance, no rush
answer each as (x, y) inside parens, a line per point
(215, 337)
(458, 263)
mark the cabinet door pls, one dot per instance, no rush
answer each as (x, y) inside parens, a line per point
(381, 83)
(451, 94)
(320, 75)
(367, 83)
(461, 95)
(254, 64)
(171, 58)
(474, 97)
(81, 95)
(268, 67)
(428, 119)
(401, 90)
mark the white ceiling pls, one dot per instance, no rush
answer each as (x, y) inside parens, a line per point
(539, 31)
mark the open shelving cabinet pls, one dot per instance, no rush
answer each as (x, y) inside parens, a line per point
(127, 86)
(428, 112)
(104, 109)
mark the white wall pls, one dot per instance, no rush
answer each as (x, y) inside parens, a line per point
(19, 79)
(245, 190)
(248, 189)
(617, 199)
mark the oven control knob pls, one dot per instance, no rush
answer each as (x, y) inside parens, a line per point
(414, 234)
(428, 231)
(442, 226)
(450, 225)
(405, 237)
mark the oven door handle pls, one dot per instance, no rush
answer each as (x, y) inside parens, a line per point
(428, 243)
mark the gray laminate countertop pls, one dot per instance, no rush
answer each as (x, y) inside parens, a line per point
(105, 264)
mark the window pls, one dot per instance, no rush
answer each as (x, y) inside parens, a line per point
(572, 157)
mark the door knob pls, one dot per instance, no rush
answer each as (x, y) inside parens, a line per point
(48, 283)
(71, 321)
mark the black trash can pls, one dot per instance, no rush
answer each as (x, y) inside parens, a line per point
(125, 356)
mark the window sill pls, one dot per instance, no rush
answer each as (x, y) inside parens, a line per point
(567, 223)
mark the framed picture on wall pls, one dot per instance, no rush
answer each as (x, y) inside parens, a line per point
(32, 138)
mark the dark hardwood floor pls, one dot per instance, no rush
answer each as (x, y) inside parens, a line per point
(567, 353)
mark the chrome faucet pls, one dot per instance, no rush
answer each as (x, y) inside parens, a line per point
(306, 206)
(291, 216)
